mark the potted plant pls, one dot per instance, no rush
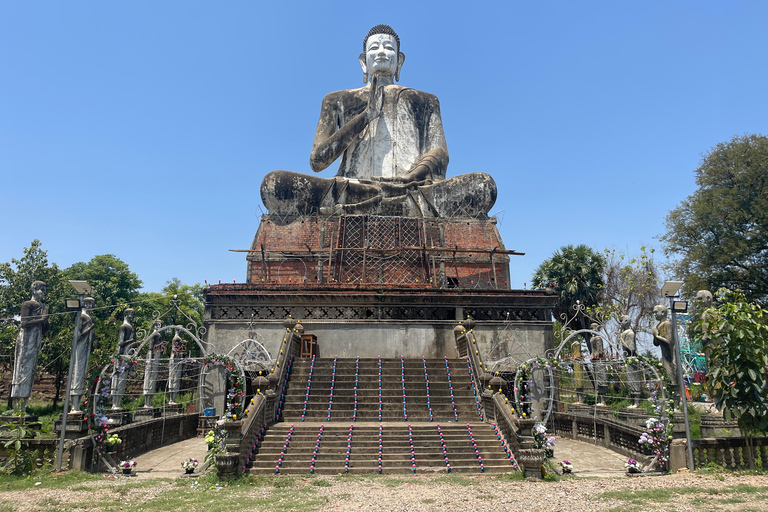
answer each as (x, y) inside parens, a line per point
(566, 466)
(189, 466)
(632, 466)
(112, 442)
(127, 465)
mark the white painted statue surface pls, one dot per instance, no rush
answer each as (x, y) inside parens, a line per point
(391, 146)
(82, 354)
(34, 321)
(176, 365)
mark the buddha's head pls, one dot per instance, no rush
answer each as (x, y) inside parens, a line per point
(625, 322)
(128, 315)
(704, 297)
(88, 303)
(381, 54)
(38, 290)
(660, 312)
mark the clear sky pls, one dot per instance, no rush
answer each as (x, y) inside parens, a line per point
(143, 129)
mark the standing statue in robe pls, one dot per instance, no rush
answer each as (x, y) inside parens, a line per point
(597, 355)
(392, 148)
(176, 365)
(82, 353)
(662, 338)
(34, 322)
(629, 347)
(126, 337)
(156, 347)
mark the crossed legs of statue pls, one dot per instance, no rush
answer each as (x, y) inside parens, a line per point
(289, 193)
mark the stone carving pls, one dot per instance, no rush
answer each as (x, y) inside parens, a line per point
(662, 338)
(703, 301)
(82, 353)
(392, 148)
(176, 364)
(156, 347)
(34, 322)
(126, 337)
(578, 372)
(634, 373)
(597, 354)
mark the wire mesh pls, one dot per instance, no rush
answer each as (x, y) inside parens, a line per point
(374, 249)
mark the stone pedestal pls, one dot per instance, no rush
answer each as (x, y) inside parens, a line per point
(603, 411)
(28, 420)
(75, 428)
(714, 425)
(633, 416)
(678, 429)
(580, 409)
(146, 413)
(118, 417)
(172, 409)
(531, 460)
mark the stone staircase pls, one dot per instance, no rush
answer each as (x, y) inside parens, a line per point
(380, 415)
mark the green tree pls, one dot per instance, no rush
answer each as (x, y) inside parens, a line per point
(738, 361)
(190, 303)
(720, 233)
(631, 287)
(114, 285)
(575, 273)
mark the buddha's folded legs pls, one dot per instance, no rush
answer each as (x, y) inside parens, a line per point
(290, 193)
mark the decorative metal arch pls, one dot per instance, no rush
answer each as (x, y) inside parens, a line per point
(251, 355)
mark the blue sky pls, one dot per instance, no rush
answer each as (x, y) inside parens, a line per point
(144, 129)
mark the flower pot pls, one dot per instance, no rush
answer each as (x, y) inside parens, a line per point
(633, 470)
(127, 471)
(189, 471)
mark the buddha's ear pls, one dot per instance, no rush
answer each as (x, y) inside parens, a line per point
(400, 61)
(361, 58)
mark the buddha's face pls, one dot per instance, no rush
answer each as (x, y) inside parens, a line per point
(660, 313)
(39, 293)
(381, 56)
(129, 316)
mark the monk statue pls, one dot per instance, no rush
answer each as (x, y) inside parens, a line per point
(156, 347)
(629, 347)
(82, 353)
(392, 148)
(34, 322)
(126, 337)
(662, 338)
(176, 365)
(597, 355)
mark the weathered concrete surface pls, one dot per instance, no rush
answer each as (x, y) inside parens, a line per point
(589, 460)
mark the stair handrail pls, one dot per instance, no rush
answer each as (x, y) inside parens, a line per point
(466, 346)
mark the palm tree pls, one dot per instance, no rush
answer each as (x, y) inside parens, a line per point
(575, 273)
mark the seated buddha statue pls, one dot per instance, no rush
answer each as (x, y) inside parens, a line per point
(392, 148)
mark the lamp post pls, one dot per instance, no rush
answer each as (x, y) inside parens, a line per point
(670, 290)
(82, 288)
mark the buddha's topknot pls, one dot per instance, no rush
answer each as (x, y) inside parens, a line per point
(382, 29)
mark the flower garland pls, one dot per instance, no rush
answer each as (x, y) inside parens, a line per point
(234, 385)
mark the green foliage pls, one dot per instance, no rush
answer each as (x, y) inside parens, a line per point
(738, 360)
(631, 287)
(20, 460)
(721, 231)
(575, 273)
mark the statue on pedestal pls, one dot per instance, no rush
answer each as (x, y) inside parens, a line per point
(662, 338)
(81, 354)
(126, 337)
(597, 354)
(176, 364)
(155, 349)
(34, 322)
(634, 373)
(392, 148)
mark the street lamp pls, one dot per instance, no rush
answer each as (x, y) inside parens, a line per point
(670, 290)
(81, 288)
